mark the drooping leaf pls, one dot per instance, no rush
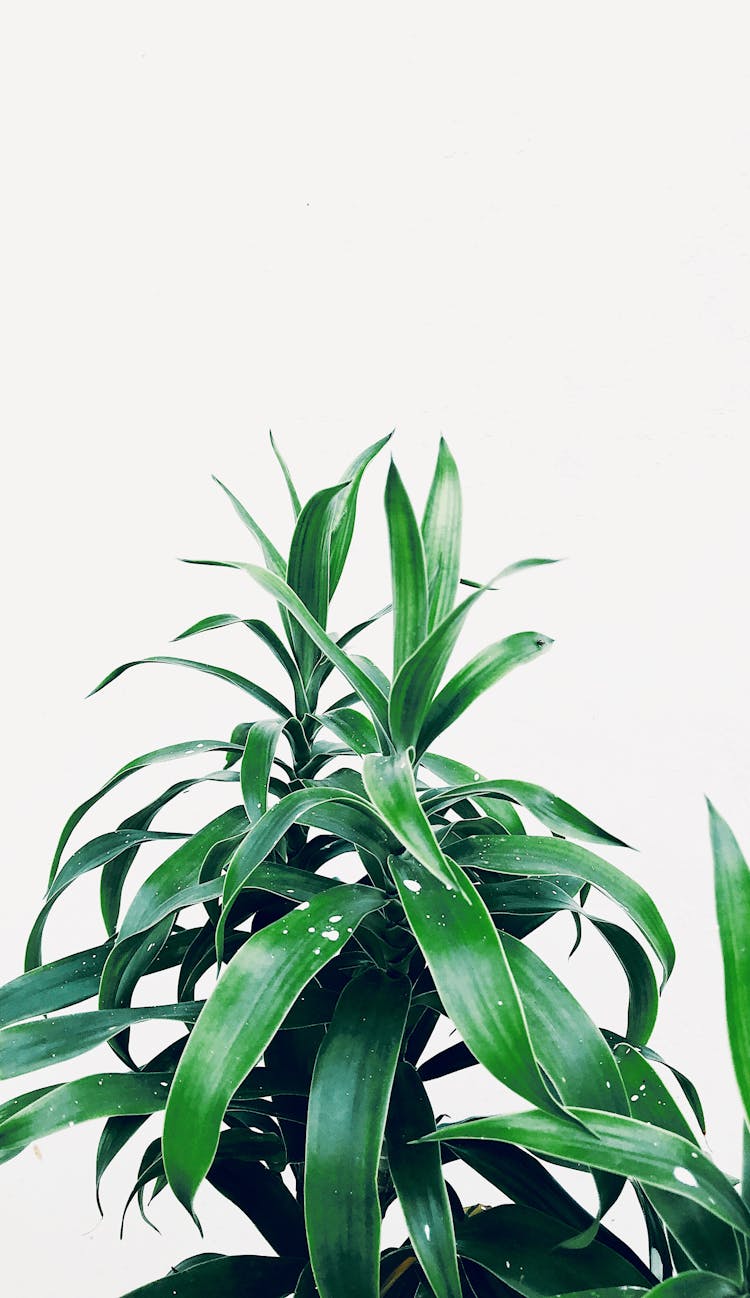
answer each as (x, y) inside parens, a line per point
(349, 1096)
(522, 1247)
(25, 1047)
(479, 674)
(271, 555)
(732, 889)
(54, 986)
(232, 1277)
(471, 973)
(441, 536)
(180, 871)
(615, 1144)
(192, 748)
(643, 999)
(252, 997)
(420, 1184)
(232, 678)
(80, 1101)
(269, 637)
(556, 814)
(537, 855)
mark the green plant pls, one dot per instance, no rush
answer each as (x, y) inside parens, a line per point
(310, 1053)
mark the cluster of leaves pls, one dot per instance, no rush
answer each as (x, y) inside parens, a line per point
(311, 1055)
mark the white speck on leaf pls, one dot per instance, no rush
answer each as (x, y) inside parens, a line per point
(686, 1178)
(412, 885)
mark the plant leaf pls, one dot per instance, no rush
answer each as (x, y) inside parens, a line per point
(553, 812)
(732, 888)
(192, 748)
(389, 782)
(441, 536)
(408, 574)
(537, 855)
(296, 506)
(25, 1047)
(255, 770)
(472, 976)
(53, 986)
(232, 678)
(349, 1096)
(346, 509)
(482, 671)
(419, 1183)
(65, 1105)
(232, 1277)
(252, 997)
(269, 637)
(308, 570)
(617, 1144)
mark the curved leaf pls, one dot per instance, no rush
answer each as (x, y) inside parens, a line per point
(346, 509)
(389, 782)
(308, 570)
(232, 1277)
(255, 770)
(180, 871)
(419, 1183)
(471, 973)
(80, 1101)
(25, 1047)
(349, 1095)
(537, 855)
(296, 506)
(269, 637)
(732, 888)
(617, 1144)
(479, 674)
(354, 729)
(252, 997)
(54, 986)
(556, 814)
(441, 536)
(232, 678)
(522, 1248)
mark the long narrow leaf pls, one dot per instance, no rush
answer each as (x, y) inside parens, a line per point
(479, 674)
(250, 1000)
(349, 1097)
(441, 536)
(408, 574)
(346, 509)
(615, 1144)
(420, 1184)
(471, 973)
(308, 570)
(732, 888)
(296, 506)
(232, 678)
(537, 855)
(28, 1046)
(255, 770)
(232, 1277)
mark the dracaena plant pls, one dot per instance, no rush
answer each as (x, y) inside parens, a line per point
(300, 1086)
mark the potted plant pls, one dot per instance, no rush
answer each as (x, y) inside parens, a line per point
(299, 1088)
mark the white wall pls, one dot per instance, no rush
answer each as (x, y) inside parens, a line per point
(524, 227)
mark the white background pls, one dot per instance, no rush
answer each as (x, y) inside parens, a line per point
(522, 226)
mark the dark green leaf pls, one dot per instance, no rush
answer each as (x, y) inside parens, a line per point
(355, 1064)
(307, 570)
(441, 536)
(732, 886)
(296, 506)
(25, 1047)
(389, 782)
(471, 973)
(255, 771)
(346, 509)
(537, 855)
(231, 1277)
(408, 574)
(419, 1183)
(232, 678)
(53, 986)
(617, 1144)
(245, 1009)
